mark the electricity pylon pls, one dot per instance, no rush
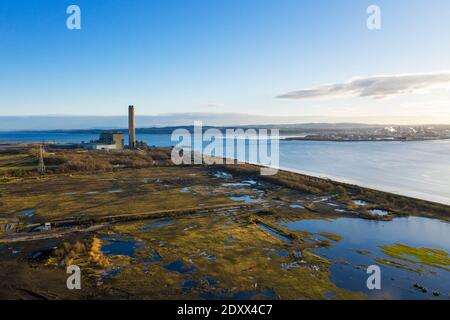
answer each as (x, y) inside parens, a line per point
(41, 165)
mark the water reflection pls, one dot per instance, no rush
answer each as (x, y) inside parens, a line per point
(349, 265)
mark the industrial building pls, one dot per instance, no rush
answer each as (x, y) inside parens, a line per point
(114, 140)
(109, 140)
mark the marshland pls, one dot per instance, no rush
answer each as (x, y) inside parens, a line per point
(142, 228)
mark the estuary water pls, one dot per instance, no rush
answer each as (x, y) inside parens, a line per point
(420, 169)
(348, 269)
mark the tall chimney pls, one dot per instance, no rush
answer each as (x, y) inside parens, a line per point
(131, 128)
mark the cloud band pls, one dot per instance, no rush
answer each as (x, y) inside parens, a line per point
(376, 86)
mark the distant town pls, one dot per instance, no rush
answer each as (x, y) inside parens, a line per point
(381, 133)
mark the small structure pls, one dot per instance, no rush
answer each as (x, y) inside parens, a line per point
(112, 138)
(109, 140)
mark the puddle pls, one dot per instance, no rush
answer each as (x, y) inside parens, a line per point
(115, 191)
(188, 285)
(283, 253)
(41, 228)
(296, 206)
(280, 252)
(70, 193)
(119, 247)
(211, 281)
(228, 223)
(274, 233)
(360, 202)
(41, 255)
(91, 193)
(184, 190)
(111, 273)
(321, 199)
(246, 183)
(180, 267)
(332, 203)
(298, 254)
(246, 199)
(229, 244)
(190, 228)
(235, 184)
(222, 175)
(292, 265)
(379, 212)
(27, 213)
(156, 224)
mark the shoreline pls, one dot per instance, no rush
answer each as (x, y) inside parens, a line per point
(438, 200)
(402, 193)
(363, 140)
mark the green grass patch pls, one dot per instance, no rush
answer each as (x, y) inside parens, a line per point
(426, 256)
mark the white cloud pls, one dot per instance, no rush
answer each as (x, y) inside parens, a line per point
(376, 86)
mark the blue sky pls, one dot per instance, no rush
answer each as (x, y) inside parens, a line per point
(222, 56)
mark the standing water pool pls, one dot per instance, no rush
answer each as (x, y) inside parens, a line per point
(361, 247)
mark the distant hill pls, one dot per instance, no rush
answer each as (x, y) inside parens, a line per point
(166, 123)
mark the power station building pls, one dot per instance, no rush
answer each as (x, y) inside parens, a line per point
(109, 140)
(114, 140)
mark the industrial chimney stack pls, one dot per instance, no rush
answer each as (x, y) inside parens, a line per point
(131, 128)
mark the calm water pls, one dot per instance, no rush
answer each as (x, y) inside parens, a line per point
(419, 169)
(115, 245)
(361, 234)
(162, 140)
